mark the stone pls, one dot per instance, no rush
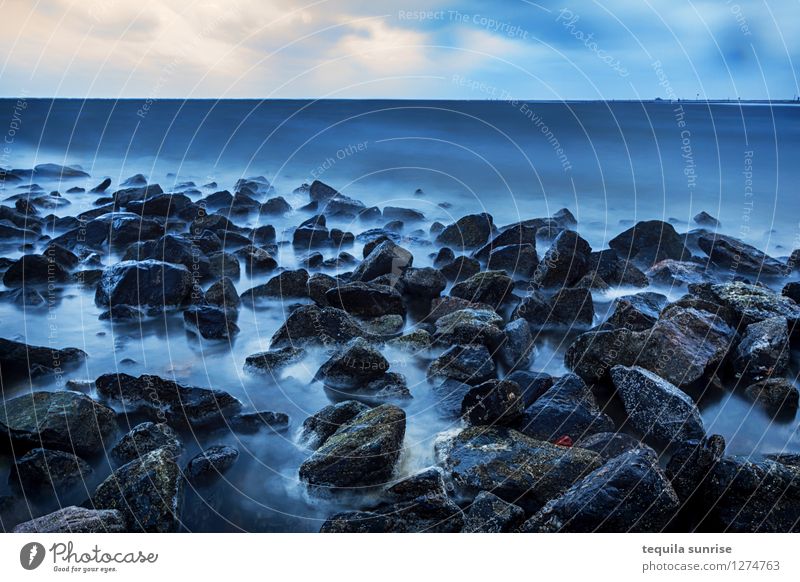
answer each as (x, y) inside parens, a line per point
(211, 464)
(386, 258)
(425, 283)
(792, 291)
(517, 260)
(213, 323)
(516, 351)
(256, 259)
(495, 403)
(461, 268)
(568, 307)
(361, 453)
(676, 273)
(732, 254)
(318, 286)
(609, 444)
(276, 206)
(284, 285)
(49, 472)
(531, 384)
(34, 270)
(272, 361)
(518, 234)
(145, 438)
(366, 299)
(75, 520)
(691, 464)
(743, 304)
(18, 359)
(253, 422)
(775, 394)
(490, 514)
(637, 312)
(660, 411)
(468, 231)
(318, 427)
(313, 325)
(763, 351)
(148, 284)
(703, 218)
(471, 364)
(607, 266)
(355, 364)
(223, 294)
(648, 242)
(565, 262)
(470, 326)
(490, 287)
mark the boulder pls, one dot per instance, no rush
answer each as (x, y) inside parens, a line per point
(732, 254)
(460, 269)
(743, 304)
(318, 427)
(214, 323)
(18, 359)
(495, 403)
(703, 218)
(763, 350)
(276, 206)
(386, 258)
(147, 491)
(470, 326)
(775, 394)
(355, 364)
(318, 285)
(607, 266)
(34, 270)
(145, 438)
(565, 262)
(518, 234)
(223, 294)
(650, 241)
(271, 361)
(49, 472)
(490, 514)
(490, 287)
(660, 411)
(449, 395)
(569, 307)
(517, 260)
(361, 453)
(209, 465)
(312, 325)
(516, 351)
(468, 231)
(676, 273)
(366, 299)
(284, 285)
(637, 312)
(609, 444)
(253, 422)
(256, 259)
(424, 283)
(75, 520)
(531, 384)
(690, 465)
(471, 364)
(148, 284)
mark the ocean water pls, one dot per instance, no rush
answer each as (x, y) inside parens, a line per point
(611, 164)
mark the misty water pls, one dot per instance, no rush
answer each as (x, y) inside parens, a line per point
(611, 164)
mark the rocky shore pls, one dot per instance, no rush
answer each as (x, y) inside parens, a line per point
(616, 444)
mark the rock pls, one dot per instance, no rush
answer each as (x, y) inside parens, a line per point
(470, 326)
(355, 364)
(386, 258)
(607, 266)
(565, 262)
(763, 351)
(531, 384)
(318, 286)
(320, 426)
(425, 283)
(101, 187)
(147, 491)
(744, 496)
(176, 250)
(253, 422)
(64, 420)
(223, 294)
(441, 306)
(659, 410)
(518, 235)
(263, 234)
(490, 514)
(384, 325)
(630, 493)
(748, 304)
(792, 291)
(649, 242)
(287, 284)
(705, 219)
(461, 268)
(443, 257)
(149, 284)
(312, 325)
(271, 361)
(361, 453)
(159, 397)
(319, 191)
(145, 438)
(691, 464)
(406, 214)
(276, 206)
(775, 394)
(471, 364)
(568, 408)
(366, 299)
(18, 359)
(729, 253)
(516, 260)
(418, 340)
(516, 468)
(75, 520)
(516, 350)
(490, 287)
(637, 312)
(48, 472)
(256, 259)
(163, 205)
(34, 270)
(495, 403)
(340, 238)
(676, 273)
(572, 307)
(609, 444)
(121, 313)
(468, 231)
(213, 323)
(211, 464)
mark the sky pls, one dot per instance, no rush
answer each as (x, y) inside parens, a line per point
(434, 49)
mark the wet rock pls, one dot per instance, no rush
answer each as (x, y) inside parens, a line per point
(468, 231)
(101, 187)
(366, 299)
(425, 283)
(637, 312)
(276, 206)
(355, 364)
(264, 234)
(630, 493)
(10, 232)
(287, 284)
(691, 464)
(341, 205)
(418, 340)
(763, 350)
(461, 268)
(470, 326)
(490, 287)
(747, 496)
(660, 411)
(64, 420)
(384, 325)
(147, 491)
(531, 384)
(361, 453)
(471, 364)
(792, 291)
(145, 438)
(609, 444)
(516, 260)
(121, 313)
(572, 307)
(19, 360)
(607, 266)
(729, 253)
(516, 350)
(495, 403)
(490, 514)
(386, 258)
(320, 426)
(516, 235)
(159, 397)
(318, 286)
(48, 472)
(211, 464)
(676, 273)
(34, 270)
(775, 394)
(25, 297)
(256, 259)
(149, 284)
(565, 262)
(272, 361)
(405, 214)
(649, 242)
(443, 257)
(516, 468)
(163, 205)
(75, 519)
(748, 304)
(705, 219)
(442, 306)
(312, 325)
(253, 422)
(568, 408)
(223, 294)
(177, 250)
(319, 191)
(213, 323)
(341, 238)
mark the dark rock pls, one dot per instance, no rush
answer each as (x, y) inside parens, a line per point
(443, 257)
(568, 408)
(318, 427)
(691, 464)
(318, 286)
(495, 403)
(121, 313)
(531, 384)
(34, 270)
(355, 364)
(705, 219)
(211, 322)
(449, 395)
(256, 259)
(763, 350)
(18, 359)
(310, 324)
(516, 350)
(729, 253)
(264, 234)
(48, 472)
(64, 420)
(649, 242)
(366, 299)
(660, 411)
(161, 398)
(442, 306)
(565, 262)
(792, 291)
(149, 283)
(147, 491)
(361, 453)
(516, 468)
(406, 214)
(490, 287)
(386, 258)
(748, 304)
(609, 444)
(61, 256)
(252, 422)
(223, 294)
(286, 284)
(271, 361)
(676, 273)
(425, 283)
(471, 364)
(276, 206)
(145, 438)
(101, 187)
(74, 519)
(630, 493)
(177, 250)
(341, 205)
(516, 235)
(163, 205)
(572, 307)
(468, 231)
(461, 268)
(775, 394)
(470, 326)
(637, 312)
(516, 260)
(490, 514)
(211, 464)
(340, 238)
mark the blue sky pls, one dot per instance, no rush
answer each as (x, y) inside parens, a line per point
(608, 49)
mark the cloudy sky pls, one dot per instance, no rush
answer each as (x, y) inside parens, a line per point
(466, 49)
